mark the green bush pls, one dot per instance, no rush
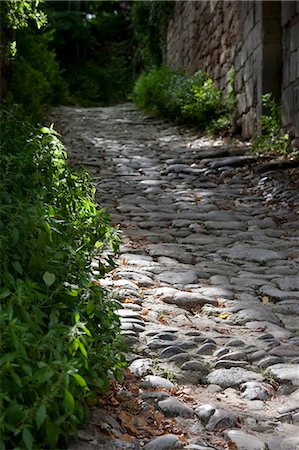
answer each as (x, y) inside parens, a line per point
(272, 138)
(36, 82)
(59, 333)
(186, 99)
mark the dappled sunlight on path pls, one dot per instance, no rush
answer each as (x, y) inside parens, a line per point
(207, 280)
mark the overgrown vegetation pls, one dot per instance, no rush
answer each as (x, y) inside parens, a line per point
(150, 21)
(186, 99)
(272, 138)
(59, 334)
(94, 46)
(60, 337)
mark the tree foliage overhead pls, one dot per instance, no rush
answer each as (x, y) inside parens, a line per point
(93, 43)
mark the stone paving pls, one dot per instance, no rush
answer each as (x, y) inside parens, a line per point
(207, 281)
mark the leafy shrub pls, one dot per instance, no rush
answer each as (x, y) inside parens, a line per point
(272, 137)
(59, 333)
(186, 99)
(37, 82)
(150, 90)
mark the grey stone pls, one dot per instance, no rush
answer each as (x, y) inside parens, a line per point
(246, 252)
(285, 350)
(172, 407)
(235, 343)
(285, 373)
(187, 300)
(171, 351)
(278, 294)
(165, 442)
(196, 366)
(257, 356)
(244, 441)
(232, 377)
(221, 419)
(230, 225)
(288, 283)
(256, 391)
(155, 395)
(277, 331)
(139, 327)
(227, 364)
(220, 352)
(206, 349)
(232, 161)
(181, 278)
(269, 361)
(257, 313)
(141, 367)
(125, 313)
(236, 356)
(204, 412)
(154, 381)
(181, 358)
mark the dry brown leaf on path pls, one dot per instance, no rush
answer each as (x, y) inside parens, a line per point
(127, 422)
(183, 439)
(162, 320)
(232, 446)
(127, 438)
(158, 417)
(129, 300)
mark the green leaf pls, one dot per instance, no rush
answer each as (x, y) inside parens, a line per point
(49, 278)
(40, 416)
(80, 380)
(69, 402)
(17, 266)
(15, 235)
(52, 431)
(90, 308)
(45, 130)
(27, 438)
(82, 349)
(5, 292)
(73, 292)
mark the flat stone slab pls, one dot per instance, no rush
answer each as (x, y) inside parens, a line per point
(232, 377)
(154, 381)
(172, 407)
(188, 300)
(285, 373)
(220, 419)
(165, 442)
(232, 161)
(176, 277)
(244, 441)
(246, 252)
(260, 313)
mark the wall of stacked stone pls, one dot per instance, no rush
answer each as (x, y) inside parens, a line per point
(290, 73)
(218, 36)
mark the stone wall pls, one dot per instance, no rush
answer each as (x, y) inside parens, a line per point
(219, 36)
(290, 73)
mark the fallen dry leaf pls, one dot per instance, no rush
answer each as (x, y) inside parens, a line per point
(158, 417)
(127, 438)
(183, 439)
(129, 300)
(224, 315)
(162, 320)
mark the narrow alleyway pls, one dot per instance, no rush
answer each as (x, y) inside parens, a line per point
(208, 281)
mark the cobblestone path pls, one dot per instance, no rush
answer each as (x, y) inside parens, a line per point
(207, 282)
